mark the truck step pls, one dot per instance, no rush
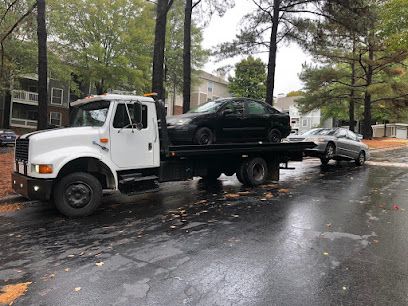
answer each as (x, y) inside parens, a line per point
(133, 178)
(133, 185)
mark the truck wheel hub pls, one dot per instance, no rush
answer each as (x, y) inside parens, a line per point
(78, 195)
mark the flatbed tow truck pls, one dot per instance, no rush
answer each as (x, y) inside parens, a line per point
(120, 143)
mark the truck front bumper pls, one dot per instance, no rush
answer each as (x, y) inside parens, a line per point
(32, 188)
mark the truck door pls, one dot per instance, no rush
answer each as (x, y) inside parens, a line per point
(132, 148)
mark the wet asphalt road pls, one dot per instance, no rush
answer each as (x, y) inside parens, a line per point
(322, 237)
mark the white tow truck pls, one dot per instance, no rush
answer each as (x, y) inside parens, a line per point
(120, 143)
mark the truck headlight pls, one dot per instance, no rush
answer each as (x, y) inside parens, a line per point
(42, 169)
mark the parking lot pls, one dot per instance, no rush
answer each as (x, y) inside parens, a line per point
(321, 236)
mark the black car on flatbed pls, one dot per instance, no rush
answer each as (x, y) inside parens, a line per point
(229, 120)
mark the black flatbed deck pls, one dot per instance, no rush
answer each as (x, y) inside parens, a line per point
(239, 148)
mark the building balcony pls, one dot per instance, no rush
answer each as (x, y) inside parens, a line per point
(23, 123)
(25, 97)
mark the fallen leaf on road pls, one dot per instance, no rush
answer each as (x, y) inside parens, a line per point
(326, 254)
(395, 207)
(283, 190)
(376, 241)
(268, 195)
(244, 193)
(173, 226)
(235, 216)
(201, 202)
(66, 269)
(10, 293)
(328, 224)
(271, 186)
(99, 264)
(344, 288)
(231, 196)
(263, 199)
(77, 289)
(72, 255)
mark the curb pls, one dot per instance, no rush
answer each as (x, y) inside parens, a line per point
(13, 198)
(388, 149)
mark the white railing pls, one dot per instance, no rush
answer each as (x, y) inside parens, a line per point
(25, 97)
(23, 123)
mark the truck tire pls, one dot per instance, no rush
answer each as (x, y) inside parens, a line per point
(77, 194)
(256, 172)
(241, 174)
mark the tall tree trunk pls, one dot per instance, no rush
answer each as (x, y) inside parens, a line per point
(270, 81)
(42, 66)
(159, 46)
(367, 129)
(187, 56)
(352, 124)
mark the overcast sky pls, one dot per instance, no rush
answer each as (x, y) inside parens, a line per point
(289, 60)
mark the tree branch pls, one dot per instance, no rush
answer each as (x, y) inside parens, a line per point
(20, 20)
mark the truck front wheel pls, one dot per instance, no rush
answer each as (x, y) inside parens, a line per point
(77, 194)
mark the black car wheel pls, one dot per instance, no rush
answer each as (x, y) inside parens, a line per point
(204, 136)
(274, 136)
(360, 161)
(77, 194)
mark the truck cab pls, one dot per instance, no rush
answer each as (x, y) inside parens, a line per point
(109, 135)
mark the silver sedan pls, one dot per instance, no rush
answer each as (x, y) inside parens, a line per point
(336, 144)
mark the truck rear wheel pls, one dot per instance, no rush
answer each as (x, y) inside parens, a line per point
(253, 172)
(78, 194)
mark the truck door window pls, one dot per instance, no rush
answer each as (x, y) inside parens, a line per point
(122, 120)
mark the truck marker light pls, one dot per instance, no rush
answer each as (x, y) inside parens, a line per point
(43, 169)
(104, 140)
(150, 94)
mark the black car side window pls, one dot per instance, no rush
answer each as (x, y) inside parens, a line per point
(237, 107)
(255, 108)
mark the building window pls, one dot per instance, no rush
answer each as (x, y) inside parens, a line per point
(57, 95)
(55, 118)
(305, 123)
(210, 86)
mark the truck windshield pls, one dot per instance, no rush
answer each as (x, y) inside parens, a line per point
(91, 114)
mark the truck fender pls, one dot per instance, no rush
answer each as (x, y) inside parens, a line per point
(95, 160)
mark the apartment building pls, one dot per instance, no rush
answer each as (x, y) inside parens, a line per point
(24, 103)
(300, 122)
(209, 87)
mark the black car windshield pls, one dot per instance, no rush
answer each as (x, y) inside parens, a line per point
(209, 107)
(90, 114)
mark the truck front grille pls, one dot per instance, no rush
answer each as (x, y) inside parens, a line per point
(22, 146)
